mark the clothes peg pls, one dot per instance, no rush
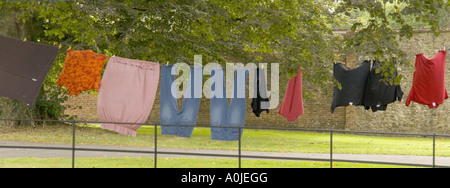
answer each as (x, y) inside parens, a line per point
(167, 64)
(60, 46)
(25, 39)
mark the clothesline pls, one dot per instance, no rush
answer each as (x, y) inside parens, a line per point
(362, 87)
(128, 88)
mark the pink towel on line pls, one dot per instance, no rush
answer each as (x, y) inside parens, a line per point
(127, 94)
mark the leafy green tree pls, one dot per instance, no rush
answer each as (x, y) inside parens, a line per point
(386, 22)
(294, 33)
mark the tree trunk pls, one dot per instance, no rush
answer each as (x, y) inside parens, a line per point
(13, 27)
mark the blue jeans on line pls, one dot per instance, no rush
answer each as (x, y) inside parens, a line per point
(224, 115)
(169, 113)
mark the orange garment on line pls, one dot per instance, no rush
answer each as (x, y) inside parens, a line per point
(82, 71)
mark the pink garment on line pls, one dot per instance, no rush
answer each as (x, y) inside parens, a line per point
(292, 105)
(127, 94)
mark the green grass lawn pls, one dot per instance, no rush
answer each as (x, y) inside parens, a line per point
(143, 162)
(252, 140)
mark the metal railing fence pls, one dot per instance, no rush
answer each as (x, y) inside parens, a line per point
(239, 156)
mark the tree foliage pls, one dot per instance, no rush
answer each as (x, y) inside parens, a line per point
(389, 21)
(294, 33)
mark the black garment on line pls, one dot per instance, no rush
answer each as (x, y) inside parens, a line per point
(378, 93)
(23, 68)
(256, 102)
(353, 82)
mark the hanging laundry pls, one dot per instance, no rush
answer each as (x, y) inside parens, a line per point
(82, 71)
(260, 104)
(292, 105)
(379, 94)
(23, 68)
(168, 108)
(127, 94)
(429, 81)
(353, 82)
(227, 115)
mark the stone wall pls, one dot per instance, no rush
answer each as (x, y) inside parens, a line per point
(397, 118)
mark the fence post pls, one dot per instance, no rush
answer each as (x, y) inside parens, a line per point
(239, 135)
(73, 143)
(331, 148)
(434, 150)
(156, 145)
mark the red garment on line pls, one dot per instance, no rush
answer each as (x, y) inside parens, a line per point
(292, 105)
(429, 81)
